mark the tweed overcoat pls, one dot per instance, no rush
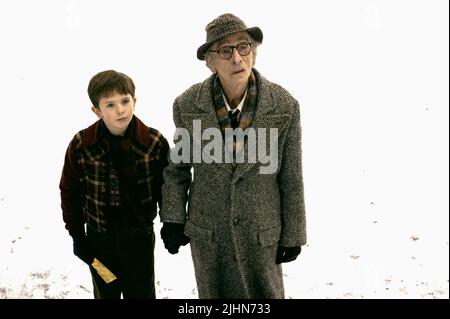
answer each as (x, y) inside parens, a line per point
(236, 217)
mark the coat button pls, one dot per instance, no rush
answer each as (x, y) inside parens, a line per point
(236, 221)
(234, 258)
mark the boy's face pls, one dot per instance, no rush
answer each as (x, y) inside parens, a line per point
(116, 110)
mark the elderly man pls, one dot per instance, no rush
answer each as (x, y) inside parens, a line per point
(241, 223)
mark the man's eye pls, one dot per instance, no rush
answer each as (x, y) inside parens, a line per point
(225, 50)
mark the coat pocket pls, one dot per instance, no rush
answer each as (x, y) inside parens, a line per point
(196, 232)
(269, 236)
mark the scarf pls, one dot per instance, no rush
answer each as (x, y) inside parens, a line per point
(248, 110)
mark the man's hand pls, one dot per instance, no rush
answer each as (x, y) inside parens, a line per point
(82, 250)
(287, 254)
(173, 236)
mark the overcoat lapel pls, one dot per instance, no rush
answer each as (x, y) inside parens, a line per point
(265, 117)
(207, 115)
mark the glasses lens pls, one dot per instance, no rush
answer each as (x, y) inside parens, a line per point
(226, 52)
(243, 48)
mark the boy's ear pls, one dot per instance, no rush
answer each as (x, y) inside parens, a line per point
(97, 112)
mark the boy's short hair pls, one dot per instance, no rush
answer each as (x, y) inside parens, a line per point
(107, 82)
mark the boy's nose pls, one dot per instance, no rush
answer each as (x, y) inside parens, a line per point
(120, 109)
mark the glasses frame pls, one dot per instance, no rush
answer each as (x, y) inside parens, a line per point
(232, 49)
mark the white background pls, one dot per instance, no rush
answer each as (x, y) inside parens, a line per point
(372, 81)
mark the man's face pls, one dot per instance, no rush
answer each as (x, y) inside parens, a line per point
(237, 68)
(116, 110)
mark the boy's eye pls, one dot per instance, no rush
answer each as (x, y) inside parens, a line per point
(109, 105)
(126, 101)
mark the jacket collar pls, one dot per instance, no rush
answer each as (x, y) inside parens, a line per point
(140, 134)
(264, 101)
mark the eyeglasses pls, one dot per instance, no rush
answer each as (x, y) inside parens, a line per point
(226, 52)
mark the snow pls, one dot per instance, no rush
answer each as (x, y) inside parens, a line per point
(372, 81)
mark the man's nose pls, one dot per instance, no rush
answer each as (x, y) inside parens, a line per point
(236, 57)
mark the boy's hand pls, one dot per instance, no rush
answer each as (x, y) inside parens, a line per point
(82, 250)
(287, 254)
(173, 236)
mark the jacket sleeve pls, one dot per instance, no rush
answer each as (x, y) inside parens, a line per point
(70, 187)
(177, 181)
(290, 183)
(162, 164)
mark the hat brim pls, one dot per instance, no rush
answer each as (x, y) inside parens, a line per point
(254, 32)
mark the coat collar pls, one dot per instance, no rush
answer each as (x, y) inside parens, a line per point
(140, 133)
(264, 103)
(264, 116)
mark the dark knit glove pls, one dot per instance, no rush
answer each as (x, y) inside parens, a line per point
(82, 250)
(287, 254)
(173, 237)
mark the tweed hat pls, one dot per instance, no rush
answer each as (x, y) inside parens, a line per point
(223, 26)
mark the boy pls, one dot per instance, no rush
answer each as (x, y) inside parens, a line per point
(111, 181)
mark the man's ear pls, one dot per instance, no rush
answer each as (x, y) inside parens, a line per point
(210, 65)
(97, 112)
(212, 68)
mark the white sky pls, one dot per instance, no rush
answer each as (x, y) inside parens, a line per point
(371, 78)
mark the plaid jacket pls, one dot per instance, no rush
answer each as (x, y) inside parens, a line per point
(84, 180)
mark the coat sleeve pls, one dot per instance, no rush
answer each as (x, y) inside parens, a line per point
(177, 182)
(163, 151)
(290, 183)
(70, 187)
